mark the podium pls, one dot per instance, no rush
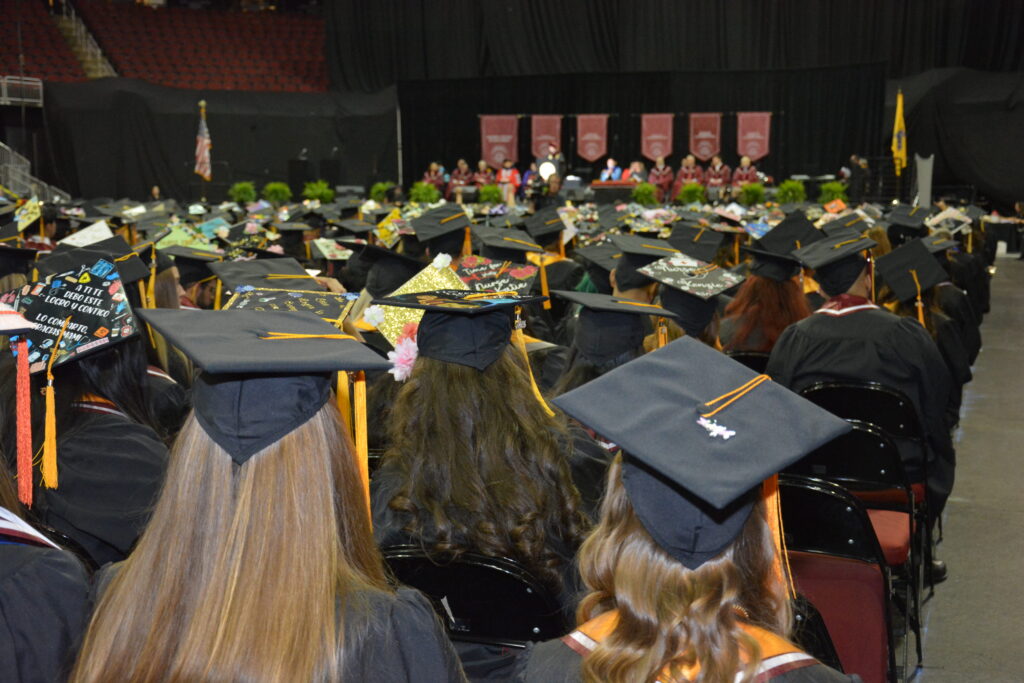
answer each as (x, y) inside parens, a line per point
(300, 172)
(611, 191)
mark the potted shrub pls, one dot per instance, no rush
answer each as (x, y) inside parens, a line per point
(319, 190)
(791, 192)
(645, 194)
(277, 193)
(424, 193)
(379, 191)
(242, 193)
(691, 193)
(832, 190)
(752, 194)
(489, 194)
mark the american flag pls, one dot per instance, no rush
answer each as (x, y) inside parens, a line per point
(203, 146)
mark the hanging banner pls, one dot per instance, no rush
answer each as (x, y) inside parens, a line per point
(656, 135)
(592, 136)
(545, 130)
(753, 130)
(499, 139)
(705, 135)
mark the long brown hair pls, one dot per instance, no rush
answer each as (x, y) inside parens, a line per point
(482, 466)
(766, 306)
(239, 573)
(670, 616)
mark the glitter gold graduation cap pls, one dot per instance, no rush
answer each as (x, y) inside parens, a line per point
(700, 438)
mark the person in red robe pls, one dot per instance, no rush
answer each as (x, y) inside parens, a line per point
(435, 177)
(484, 175)
(508, 181)
(689, 172)
(460, 177)
(745, 173)
(717, 178)
(661, 177)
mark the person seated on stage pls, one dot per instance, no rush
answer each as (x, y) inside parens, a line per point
(258, 562)
(484, 175)
(661, 177)
(555, 157)
(460, 177)
(611, 171)
(550, 194)
(154, 194)
(636, 172)
(689, 172)
(435, 176)
(852, 339)
(684, 570)
(508, 182)
(716, 178)
(531, 182)
(744, 173)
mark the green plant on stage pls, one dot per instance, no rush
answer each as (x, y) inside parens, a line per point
(645, 194)
(277, 193)
(320, 190)
(379, 191)
(752, 194)
(791, 192)
(242, 193)
(489, 194)
(831, 191)
(691, 193)
(424, 193)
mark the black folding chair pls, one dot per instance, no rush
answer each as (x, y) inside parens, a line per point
(755, 360)
(811, 633)
(488, 600)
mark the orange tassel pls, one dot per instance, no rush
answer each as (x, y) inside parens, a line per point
(773, 512)
(344, 401)
(520, 343)
(467, 244)
(544, 283)
(24, 423)
(662, 333)
(217, 294)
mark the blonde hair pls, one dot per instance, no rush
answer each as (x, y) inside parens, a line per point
(240, 572)
(671, 617)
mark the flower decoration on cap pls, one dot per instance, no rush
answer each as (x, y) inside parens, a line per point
(374, 315)
(403, 358)
(442, 261)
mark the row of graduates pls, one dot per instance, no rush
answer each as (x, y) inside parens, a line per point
(513, 481)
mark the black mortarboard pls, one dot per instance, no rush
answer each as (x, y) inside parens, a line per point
(508, 220)
(483, 274)
(637, 251)
(192, 264)
(258, 384)
(439, 222)
(609, 326)
(114, 249)
(355, 226)
(694, 459)
(777, 267)
(507, 244)
(849, 223)
(463, 327)
(700, 243)
(836, 260)
(15, 260)
(937, 243)
(910, 270)
(543, 225)
(389, 270)
(609, 217)
(792, 233)
(908, 216)
(691, 289)
(283, 273)
(600, 260)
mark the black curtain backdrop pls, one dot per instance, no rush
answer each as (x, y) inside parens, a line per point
(371, 45)
(820, 116)
(118, 137)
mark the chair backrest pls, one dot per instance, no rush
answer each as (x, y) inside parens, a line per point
(755, 360)
(822, 517)
(480, 598)
(886, 408)
(811, 633)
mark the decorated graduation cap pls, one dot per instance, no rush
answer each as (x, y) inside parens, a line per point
(130, 266)
(609, 217)
(482, 274)
(700, 243)
(600, 260)
(545, 225)
(702, 443)
(909, 271)
(285, 273)
(192, 264)
(836, 260)
(610, 326)
(690, 289)
(637, 251)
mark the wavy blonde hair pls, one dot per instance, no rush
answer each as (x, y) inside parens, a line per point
(671, 617)
(241, 571)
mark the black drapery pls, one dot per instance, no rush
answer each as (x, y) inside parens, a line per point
(820, 116)
(118, 137)
(371, 45)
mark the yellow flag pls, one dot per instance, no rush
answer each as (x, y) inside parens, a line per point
(899, 137)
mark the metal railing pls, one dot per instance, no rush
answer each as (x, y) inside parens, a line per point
(16, 176)
(20, 90)
(82, 37)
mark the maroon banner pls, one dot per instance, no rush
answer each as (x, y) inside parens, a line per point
(499, 139)
(656, 135)
(545, 130)
(592, 136)
(753, 130)
(705, 135)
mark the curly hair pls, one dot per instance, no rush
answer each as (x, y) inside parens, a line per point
(482, 467)
(671, 617)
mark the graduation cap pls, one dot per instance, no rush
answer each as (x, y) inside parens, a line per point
(700, 438)
(936, 244)
(910, 270)
(130, 267)
(848, 223)
(493, 275)
(793, 232)
(15, 259)
(777, 267)
(249, 357)
(637, 251)
(389, 269)
(330, 250)
(192, 264)
(508, 244)
(600, 260)
(836, 260)
(908, 216)
(544, 225)
(462, 327)
(285, 273)
(609, 326)
(355, 226)
(609, 217)
(700, 243)
(437, 223)
(691, 288)
(508, 220)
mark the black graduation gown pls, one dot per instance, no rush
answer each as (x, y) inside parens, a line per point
(875, 345)
(110, 471)
(727, 331)
(954, 303)
(44, 608)
(951, 346)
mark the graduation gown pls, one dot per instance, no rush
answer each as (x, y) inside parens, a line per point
(110, 471)
(44, 609)
(951, 346)
(852, 339)
(741, 176)
(661, 178)
(954, 303)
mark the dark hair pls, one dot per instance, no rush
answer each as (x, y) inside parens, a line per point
(767, 306)
(579, 370)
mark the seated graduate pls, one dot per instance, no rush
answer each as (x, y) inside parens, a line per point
(952, 300)
(557, 271)
(44, 590)
(103, 454)
(912, 275)
(197, 281)
(684, 569)
(259, 563)
(850, 338)
(443, 230)
(476, 461)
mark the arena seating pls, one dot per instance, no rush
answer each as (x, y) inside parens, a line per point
(187, 48)
(47, 55)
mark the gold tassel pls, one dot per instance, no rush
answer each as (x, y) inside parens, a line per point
(520, 343)
(467, 244)
(344, 401)
(662, 327)
(920, 303)
(362, 439)
(544, 282)
(50, 434)
(773, 513)
(217, 294)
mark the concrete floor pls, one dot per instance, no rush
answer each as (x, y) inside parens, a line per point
(974, 621)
